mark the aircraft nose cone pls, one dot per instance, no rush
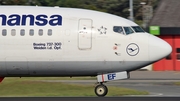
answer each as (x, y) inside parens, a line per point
(158, 48)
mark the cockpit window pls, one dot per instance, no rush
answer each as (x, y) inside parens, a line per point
(128, 30)
(118, 29)
(137, 29)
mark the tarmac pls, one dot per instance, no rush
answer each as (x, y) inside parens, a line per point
(160, 85)
(155, 75)
(91, 99)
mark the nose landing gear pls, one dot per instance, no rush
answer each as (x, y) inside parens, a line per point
(101, 90)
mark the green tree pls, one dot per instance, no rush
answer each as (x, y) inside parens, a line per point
(117, 7)
(14, 2)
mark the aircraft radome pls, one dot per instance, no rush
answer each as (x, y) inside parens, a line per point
(59, 42)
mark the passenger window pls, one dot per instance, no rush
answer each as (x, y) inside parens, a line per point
(13, 32)
(4, 32)
(49, 32)
(40, 32)
(31, 32)
(22, 32)
(128, 30)
(118, 29)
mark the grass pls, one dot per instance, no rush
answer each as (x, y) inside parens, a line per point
(27, 87)
(177, 83)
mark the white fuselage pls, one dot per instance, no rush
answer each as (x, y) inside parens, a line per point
(82, 43)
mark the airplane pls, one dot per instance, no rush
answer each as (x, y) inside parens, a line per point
(38, 41)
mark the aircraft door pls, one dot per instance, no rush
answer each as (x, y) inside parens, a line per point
(85, 34)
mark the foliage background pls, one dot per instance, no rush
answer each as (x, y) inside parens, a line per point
(117, 7)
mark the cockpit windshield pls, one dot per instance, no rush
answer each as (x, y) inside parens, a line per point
(128, 30)
(137, 29)
(118, 29)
